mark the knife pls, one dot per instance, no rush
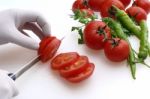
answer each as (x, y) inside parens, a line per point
(24, 68)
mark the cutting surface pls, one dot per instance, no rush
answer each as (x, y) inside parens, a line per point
(109, 81)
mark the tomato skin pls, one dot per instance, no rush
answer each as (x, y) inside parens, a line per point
(64, 59)
(95, 4)
(104, 10)
(50, 50)
(117, 53)
(44, 42)
(137, 13)
(125, 2)
(89, 12)
(79, 4)
(79, 66)
(83, 75)
(145, 4)
(91, 38)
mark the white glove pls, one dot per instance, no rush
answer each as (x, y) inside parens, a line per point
(12, 23)
(7, 86)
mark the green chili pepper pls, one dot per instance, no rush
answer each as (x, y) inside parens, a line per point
(143, 50)
(125, 20)
(117, 29)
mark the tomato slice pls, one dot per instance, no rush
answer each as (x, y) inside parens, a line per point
(79, 66)
(50, 50)
(64, 59)
(83, 75)
(44, 43)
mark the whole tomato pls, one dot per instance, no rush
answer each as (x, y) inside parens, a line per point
(95, 4)
(145, 4)
(125, 2)
(104, 10)
(137, 13)
(95, 33)
(80, 4)
(116, 49)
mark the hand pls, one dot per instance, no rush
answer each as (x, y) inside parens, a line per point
(12, 23)
(7, 86)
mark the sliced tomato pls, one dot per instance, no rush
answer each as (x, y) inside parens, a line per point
(44, 43)
(64, 59)
(50, 50)
(83, 75)
(79, 66)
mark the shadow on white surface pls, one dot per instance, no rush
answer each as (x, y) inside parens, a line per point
(12, 57)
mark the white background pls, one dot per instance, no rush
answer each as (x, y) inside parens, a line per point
(109, 81)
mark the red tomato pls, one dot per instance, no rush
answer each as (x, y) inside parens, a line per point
(137, 13)
(83, 75)
(44, 42)
(95, 4)
(125, 2)
(50, 50)
(87, 12)
(79, 4)
(79, 66)
(94, 34)
(145, 4)
(116, 50)
(64, 59)
(104, 11)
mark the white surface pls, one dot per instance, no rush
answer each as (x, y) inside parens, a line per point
(109, 81)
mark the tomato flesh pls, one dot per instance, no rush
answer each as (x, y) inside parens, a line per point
(44, 43)
(76, 68)
(83, 75)
(64, 59)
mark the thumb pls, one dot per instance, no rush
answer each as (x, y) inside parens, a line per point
(20, 39)
(7, 86)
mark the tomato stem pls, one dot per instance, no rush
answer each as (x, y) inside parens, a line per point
(101, 31)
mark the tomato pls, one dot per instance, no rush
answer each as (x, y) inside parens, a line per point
(95, 4)
(94, 34)
(116, 50)
(137, 13)
(44, 42)
(145, 4)
(83, 75)
(64, 59)
(87, 12)
(104, 10)
(79, 4)
(50, 50)
(79, 66)
(125, 2)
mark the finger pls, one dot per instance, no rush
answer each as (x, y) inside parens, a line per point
(34, 28)
(25, 16)
(23, 40)
(3, 42)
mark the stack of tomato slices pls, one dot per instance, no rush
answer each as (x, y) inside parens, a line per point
(72, 66)
(48, 47)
